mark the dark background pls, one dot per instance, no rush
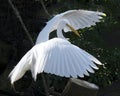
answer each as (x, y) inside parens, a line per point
(102, 41)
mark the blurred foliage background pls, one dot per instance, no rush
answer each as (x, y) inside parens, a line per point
(102, 40)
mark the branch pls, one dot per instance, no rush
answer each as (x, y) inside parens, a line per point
(21, 21)
(44, 7)
(28, 34)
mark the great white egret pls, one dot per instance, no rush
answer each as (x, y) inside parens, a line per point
(58, 56)
(72, 19)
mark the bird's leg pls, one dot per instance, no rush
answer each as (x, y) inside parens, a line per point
(45, 84)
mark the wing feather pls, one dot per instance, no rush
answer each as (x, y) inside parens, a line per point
(77, 65)
(83, 17)
(54, 57)
(91, 57)
(88, 61)
(49, 58)
(78, 19)
(67, 70)
(74, 17)
(39, 61)
(81, 66)
(20, 69)
(84, 61)
(71, 63)
(62, 58)
(58, 63)
(63, 62)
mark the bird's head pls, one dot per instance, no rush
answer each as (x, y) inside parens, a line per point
(64, 24)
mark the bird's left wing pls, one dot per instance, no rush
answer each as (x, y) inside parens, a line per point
(60, 57)
(78, 19)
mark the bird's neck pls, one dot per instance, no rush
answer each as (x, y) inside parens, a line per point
(60, 27)
(60, 33)
(44, 34)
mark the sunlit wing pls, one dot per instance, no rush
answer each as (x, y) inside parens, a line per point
(56, 56)
(20, 69)
(60, 57)
(78, 19)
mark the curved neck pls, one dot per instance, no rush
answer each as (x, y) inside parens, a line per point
(61, 26)
(60, 34)
(44, 34)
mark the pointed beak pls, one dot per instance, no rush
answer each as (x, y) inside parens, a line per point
(75, 31)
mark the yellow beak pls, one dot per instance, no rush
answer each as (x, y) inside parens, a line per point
(75, 31)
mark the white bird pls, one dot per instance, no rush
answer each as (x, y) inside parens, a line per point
(58, 56)
(78, 19)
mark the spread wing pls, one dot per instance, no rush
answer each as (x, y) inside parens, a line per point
(56, 56)
(60, 57)
(78, 19)
(20, 69)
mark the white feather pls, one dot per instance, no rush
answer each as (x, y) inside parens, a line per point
(64, 59)
(58, 56)
(85, 64)
(82, 68)
(78, 19)
(76, 65)
(20, 69)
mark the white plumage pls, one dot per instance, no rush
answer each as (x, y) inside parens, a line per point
(23, 66)
(58, 56)
(78, 19)
(55, 56)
